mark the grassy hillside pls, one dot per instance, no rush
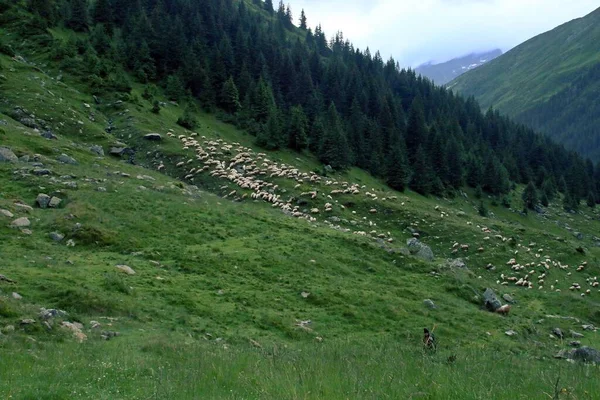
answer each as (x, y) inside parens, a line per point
(236, 297)
(549, 82)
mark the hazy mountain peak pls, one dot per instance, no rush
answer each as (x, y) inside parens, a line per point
(444, 72)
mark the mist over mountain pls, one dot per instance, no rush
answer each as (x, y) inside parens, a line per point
(444, 72)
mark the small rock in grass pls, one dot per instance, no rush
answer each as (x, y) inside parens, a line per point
(576, 335)
(508, 298)
(41, 171)
(6, 155)
(6, 213)
(54, 202)
(98, 150)
(46, 314)
(43, 200)
(558, 333)
(153, 136)
(510, 333)
(56, 236)
(24, 207)
(126, 269)
(429, 304)
(21, 223)
(16, 296)
(65, 159)
(107, 335)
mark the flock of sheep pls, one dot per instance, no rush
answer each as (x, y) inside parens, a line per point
(254, 176)
(530, 274)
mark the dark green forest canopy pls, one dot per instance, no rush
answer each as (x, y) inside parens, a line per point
(293, 87)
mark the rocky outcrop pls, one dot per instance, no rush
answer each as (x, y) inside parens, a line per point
(419, 249)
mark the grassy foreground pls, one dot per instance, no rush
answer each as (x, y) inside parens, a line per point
(165, 369)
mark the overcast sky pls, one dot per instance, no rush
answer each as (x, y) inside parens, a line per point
(417, 31)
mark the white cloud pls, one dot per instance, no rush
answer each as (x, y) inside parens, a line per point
(416, 31)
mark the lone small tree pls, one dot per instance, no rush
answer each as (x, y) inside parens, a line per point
(530, 197)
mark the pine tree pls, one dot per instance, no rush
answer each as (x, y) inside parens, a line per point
(269, 137)
(454, 164)
(591, 200)
(303, 20)
(175, 90)
(262, 102)
(570, 202)
(298, 138)
(530, 197)
(482, 209)
(316, 134)
(423, 176)
(156, 107)
(398, 173)
(548, 189)
(416, 130)
(289, 18)
(334, 149)
(78, 19)
(562, 185)
(544, 199)
(187, 120)
(44, 8)
(103, 13)
(230, 99)
(269, 6)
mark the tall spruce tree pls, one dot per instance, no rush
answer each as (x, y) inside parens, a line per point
(78, 17)
(422, 180)
(297, 131)
(334, 149)
(269, 136)
(103, 13)
(398, 173)
(416, 130)
(269, 6)
(230, 98)
(303, 20)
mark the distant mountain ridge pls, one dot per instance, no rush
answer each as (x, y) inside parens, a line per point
(551, 83)
(442, 73)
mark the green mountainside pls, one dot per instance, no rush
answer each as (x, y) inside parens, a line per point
(153, 250)
(551, 83)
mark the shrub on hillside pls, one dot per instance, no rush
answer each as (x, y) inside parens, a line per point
(187, 120)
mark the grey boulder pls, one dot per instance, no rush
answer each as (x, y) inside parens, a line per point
(6, 155)
(419, 249)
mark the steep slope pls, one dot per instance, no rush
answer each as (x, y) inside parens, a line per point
(442, 73)
(230, 271)
(549, 82)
